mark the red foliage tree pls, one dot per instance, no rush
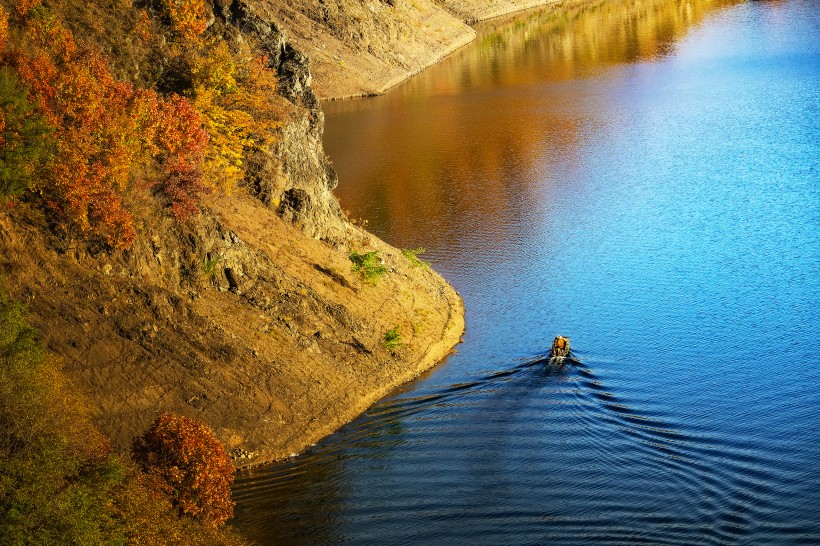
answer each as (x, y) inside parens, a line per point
(182, 142)
(195, 466)
(104, 130)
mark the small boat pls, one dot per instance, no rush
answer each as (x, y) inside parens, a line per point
(560, 347)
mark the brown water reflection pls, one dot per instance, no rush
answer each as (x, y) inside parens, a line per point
(454, 149)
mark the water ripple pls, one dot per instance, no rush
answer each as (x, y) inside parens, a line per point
(727, 483)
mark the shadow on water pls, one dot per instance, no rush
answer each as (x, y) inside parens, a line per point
(301, 501)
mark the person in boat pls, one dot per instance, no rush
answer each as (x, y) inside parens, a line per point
(560, 346)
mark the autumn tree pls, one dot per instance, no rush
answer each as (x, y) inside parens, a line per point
(192, 463)
(59, 481)
(84, 142)
(187, 18)
(239, 107)
(105, 133)
(4, 28)
(180, 140)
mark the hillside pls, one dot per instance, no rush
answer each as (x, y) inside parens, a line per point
(225, 292)
(363, 48)
(275, 347)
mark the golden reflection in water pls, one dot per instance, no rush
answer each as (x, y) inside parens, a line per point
(565, 41)
(460, 150)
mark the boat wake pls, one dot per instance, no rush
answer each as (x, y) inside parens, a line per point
(523, 445)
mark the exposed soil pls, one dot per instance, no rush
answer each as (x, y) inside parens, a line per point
(267, 335)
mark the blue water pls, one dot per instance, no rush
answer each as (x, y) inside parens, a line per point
(661, 208)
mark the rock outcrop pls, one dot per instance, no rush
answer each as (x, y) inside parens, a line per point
(295, 178)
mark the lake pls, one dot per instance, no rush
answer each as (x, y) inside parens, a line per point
(643, 177)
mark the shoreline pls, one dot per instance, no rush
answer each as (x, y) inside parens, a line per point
(451, 335)
(396, 80)
(436, 354)
(387, 83)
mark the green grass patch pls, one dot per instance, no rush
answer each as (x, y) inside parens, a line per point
(368, 266)
(209, 267)
(392, 339)
(413, 256)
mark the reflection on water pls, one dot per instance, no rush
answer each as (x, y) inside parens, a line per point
(643, 177)
(489, 117)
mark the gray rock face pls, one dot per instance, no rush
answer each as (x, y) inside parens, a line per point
(290, 65)
(297, 179)
(295, 79)
(308, 202)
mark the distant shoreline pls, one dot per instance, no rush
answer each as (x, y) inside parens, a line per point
(358, 53)
(448, 50)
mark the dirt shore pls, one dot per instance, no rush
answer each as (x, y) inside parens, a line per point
(360, 50)
(269, 336)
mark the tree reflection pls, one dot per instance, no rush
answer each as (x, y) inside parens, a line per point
(455, 148)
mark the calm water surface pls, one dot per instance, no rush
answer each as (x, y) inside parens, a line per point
(643, 177)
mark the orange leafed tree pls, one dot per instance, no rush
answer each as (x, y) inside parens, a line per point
(4, 29)
(25, 6)
(106, 132)
(187, 457)
(187, 18)
(182, 142)
(110, 139)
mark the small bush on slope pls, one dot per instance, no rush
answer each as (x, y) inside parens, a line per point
(194, 465)
(368, 266)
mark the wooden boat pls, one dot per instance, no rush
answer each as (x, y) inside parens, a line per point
(560, 347)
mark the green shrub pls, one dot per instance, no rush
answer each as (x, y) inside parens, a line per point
(392, 339)
(368, 265)
(413, 256)
(209, 267)
(56, 470)
(25, 138)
